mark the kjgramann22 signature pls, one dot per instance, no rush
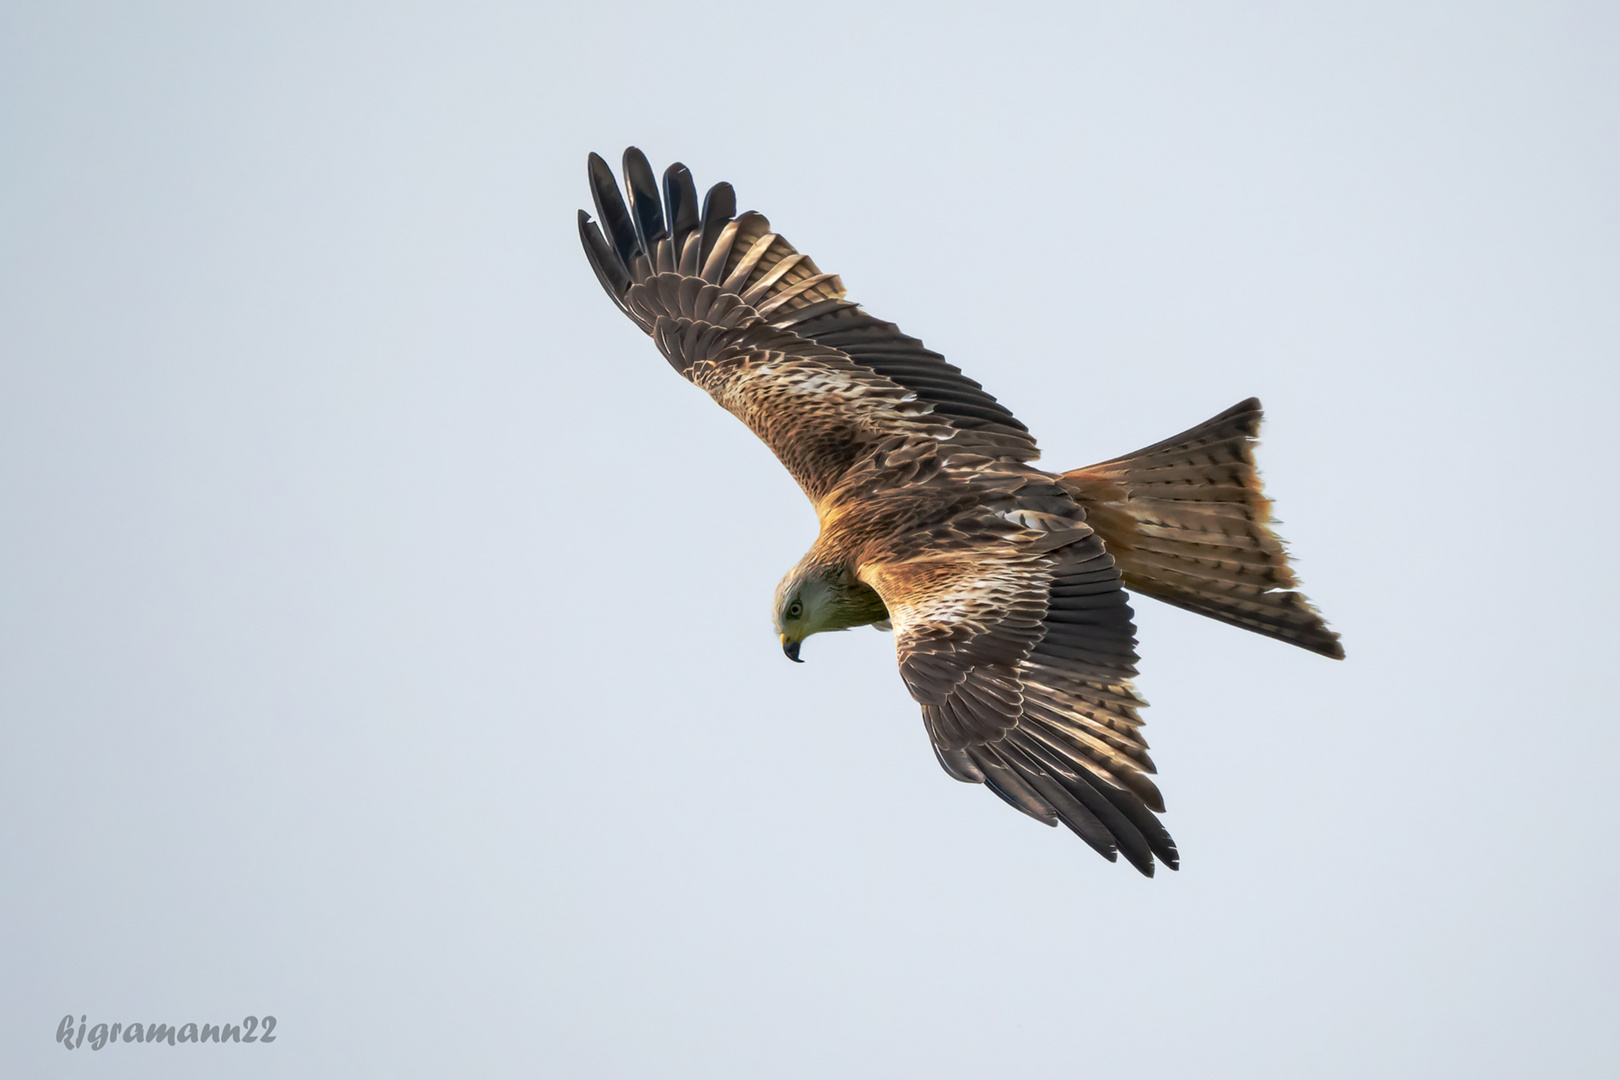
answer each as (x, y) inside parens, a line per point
(102, 1034)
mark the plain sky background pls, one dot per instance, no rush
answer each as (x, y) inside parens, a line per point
(384, 629)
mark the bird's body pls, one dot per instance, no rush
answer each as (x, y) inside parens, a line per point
(1004, 585)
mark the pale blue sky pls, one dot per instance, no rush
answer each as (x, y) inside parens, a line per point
(384, 629)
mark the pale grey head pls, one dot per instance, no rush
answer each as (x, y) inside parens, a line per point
(815, 596)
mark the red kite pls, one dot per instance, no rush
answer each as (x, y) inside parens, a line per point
(1005, 585)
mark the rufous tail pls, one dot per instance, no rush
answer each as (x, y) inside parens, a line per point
(1187, 523)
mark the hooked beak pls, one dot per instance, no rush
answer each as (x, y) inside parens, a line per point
(790, 649)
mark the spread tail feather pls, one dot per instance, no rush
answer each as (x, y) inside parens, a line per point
(1186, 522)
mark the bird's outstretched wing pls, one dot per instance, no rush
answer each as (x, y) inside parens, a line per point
(1020, 649)
(769, 336)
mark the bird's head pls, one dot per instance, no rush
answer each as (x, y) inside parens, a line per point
(814, 597)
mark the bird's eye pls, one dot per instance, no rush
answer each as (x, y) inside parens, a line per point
(795, 609)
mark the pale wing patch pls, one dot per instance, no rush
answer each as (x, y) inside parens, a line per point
(818, 413)
(1035, 521)
(954, 615)
(855, 398)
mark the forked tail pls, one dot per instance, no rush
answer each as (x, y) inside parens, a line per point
(1186, 522)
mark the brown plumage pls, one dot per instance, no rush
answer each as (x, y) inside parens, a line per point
(1004, 585)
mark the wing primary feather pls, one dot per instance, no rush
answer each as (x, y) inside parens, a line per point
(799, 316)
(759, 288)
(1124, 801)
(1011, 788)
(735, 280)
(957, 765)
(681, 206)
(794, 291)
(719, 207)
(1132, 844)
(646, 211)
(1136, 782)
(612, 213)
(1097, 747)
(1076, 815)
(605, 261)
(714, 264)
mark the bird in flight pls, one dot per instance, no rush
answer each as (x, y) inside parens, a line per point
(1005, 585)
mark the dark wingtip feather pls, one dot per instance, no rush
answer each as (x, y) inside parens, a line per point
(681, 203)
(611, 211)
(646, 212)
(719, 207)
(605, 261)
